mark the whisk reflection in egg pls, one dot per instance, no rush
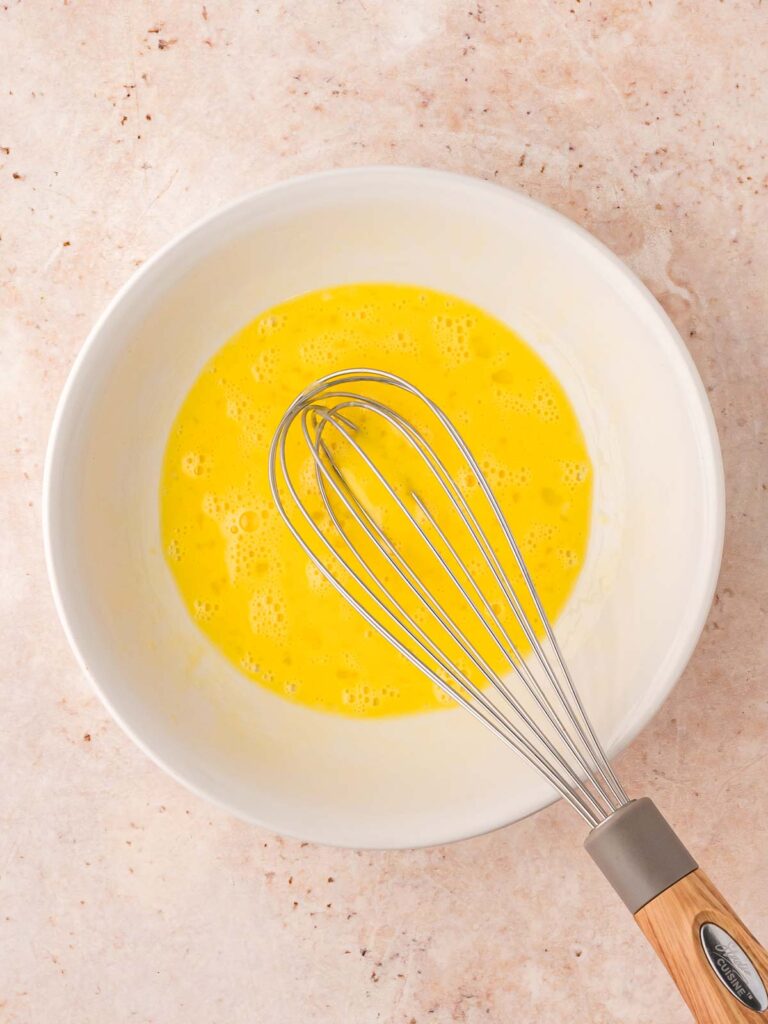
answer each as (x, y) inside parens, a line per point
(430, 562)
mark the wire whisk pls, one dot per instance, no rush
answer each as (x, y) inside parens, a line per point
(429, 560)
(388, 501)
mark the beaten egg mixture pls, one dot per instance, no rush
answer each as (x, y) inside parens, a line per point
(243, 577)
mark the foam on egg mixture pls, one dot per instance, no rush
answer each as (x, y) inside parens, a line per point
(243, 577)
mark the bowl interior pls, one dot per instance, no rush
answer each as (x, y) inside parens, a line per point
(657, 523)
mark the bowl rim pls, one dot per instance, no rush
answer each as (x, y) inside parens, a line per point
(712, 467)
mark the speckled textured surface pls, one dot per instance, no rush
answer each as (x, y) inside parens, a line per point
(123, 898)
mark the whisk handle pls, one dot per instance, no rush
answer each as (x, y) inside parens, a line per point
(717, 964)
(719, 967)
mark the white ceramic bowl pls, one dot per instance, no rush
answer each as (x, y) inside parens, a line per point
(654, 553)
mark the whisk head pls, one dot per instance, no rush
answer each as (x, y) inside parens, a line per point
(386, 499)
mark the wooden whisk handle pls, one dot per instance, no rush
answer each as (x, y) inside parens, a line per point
(717, 964)
(719, 967)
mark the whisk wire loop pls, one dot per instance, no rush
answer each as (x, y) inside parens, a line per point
(350, 546)
(396, 561)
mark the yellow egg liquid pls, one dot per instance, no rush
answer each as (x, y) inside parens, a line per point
(243, 577)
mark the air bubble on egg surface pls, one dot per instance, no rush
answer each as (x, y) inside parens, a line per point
(244, 411)
(266, 612)
(574, 473)
(366, 312)
(234, 408)
(252, 560)
(174, 550)
(248, 521)
(537, 535)
(442, 696)
(264, 366)
(520, 476)
(307, 475)
(545, 405)
(350, 661)
(569, 558)
(400, 342)
(495, 472)
(196, 464)
(512, 401)
(270, 324)
(361, 699)
(249, 663)
(204, 610)
(315, 579)
(461, 416)
(314, 349)
(517, 403)
(211, 505)
(452, 340)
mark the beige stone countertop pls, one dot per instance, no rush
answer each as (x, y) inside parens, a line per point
(123, 898)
